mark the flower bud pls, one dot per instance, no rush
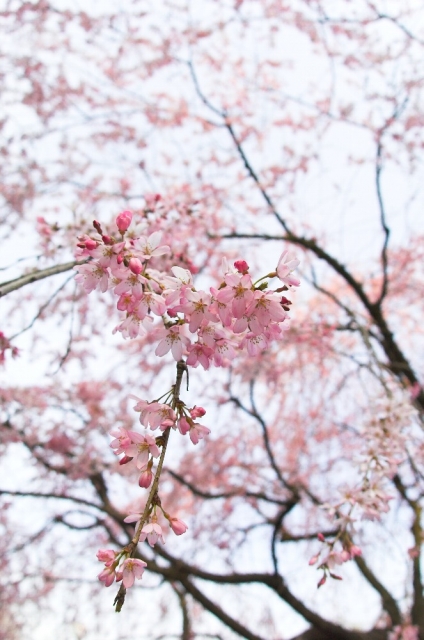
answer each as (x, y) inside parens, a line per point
(345, 556)
(197, 412)
(355, 551)
(322, 581)
(183, 426)
(90, 244)
(135, 266)
(145, 479)
(123, 221)
(241, 266)
(98, 227)
(178, 526)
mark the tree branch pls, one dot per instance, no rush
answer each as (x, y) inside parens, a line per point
(34, 276)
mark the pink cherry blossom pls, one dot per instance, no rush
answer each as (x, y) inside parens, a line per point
(107, 576)
(92, 276)
(141, 449)
(150, 302)
(196, 307)
(238, 291)
(150, 247)
(264, 309)
(286, 265)
(198, 432)
(153, 532)
(199, 354)
(183, 425)
(221, 308)
(133, 326)
(107, 556)
(156, 414)
(122, 440)
(132, 568)
(175, 340)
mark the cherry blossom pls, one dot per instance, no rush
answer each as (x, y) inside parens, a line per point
(153, 532)
(132, 568)
(141, 449)
(285, 267)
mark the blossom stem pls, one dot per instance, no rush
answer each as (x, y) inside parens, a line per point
(268, 275)
(130, 549)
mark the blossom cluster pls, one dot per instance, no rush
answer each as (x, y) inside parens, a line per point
(334, 552)
(127, 570)
(384, 438)
(203, 326)
(383, 449)
(142, 449)
(118, 566)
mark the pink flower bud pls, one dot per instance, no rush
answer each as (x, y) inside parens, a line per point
(106, 555)
(345, 556)
(145, 479)
(125, 460)
(241, 266)
(355, 551)
(178, 526)
(135, 266)
(197, 412)
(321, 537)
(107, 576)
(107, 239)
(183, 426)
(90, 244)
(119, 258)
(97, 226)
(314, 559)
(123, 221)
(322, 581)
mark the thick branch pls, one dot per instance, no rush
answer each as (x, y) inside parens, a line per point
(219, 613)
(34, 276)
(388, 602)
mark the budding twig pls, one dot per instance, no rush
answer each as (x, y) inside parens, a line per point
(153, 497)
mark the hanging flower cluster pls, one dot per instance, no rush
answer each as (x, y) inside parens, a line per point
(197, 327)
(205, 327)
(384, 438)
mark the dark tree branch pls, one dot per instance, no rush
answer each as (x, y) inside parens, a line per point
(417, 612)
(186, 631)
(216, 610)
(36, 494)
(397, 361)
(388, 602)
(228, 494)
